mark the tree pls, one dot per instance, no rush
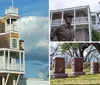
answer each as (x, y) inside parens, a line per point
(95, 35)
(69, 50)
(78, 49)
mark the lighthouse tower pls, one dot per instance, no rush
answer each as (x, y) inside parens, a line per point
(12, 53)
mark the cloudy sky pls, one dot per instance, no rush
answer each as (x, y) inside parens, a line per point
(33, 24)
(60, 4)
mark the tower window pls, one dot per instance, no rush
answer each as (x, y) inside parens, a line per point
(14, 43)
(13, 20)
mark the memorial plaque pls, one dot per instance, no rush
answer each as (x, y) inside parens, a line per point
(58, 67)
(94, 68)
(77, 66)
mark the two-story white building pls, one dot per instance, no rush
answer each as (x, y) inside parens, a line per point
(81, 21)
(95, 18)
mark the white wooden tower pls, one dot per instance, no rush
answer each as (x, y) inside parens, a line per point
(12, 53)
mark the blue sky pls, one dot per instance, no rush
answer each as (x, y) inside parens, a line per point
(27, 7)
(33, 24)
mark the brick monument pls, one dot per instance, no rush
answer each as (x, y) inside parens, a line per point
(77, 66)
(94, 68)
(58, 67)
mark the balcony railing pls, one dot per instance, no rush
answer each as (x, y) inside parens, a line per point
(11, 10)
(78, 20)
(12, 27)
(56, 22)
(96, 26)
(12, 67)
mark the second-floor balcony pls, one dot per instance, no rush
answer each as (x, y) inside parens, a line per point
(11, 67)
(12, 27)
(12, 60)
(78, 20)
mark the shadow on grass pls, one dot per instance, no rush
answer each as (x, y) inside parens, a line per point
(67, 77)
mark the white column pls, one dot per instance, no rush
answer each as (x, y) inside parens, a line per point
(74, 24)
(8, 60)
(96, 21)
(12, 63)
(4, 59)
(17, 79)
(3, 80)
(20, 60)
(23, 61)
(10, 24)
(62, 17)
(14, 81)
(89, 25)
(5, 25)
(51, 19)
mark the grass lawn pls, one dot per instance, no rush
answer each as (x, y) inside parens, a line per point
(83, 79)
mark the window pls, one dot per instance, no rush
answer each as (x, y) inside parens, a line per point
(14, 43)
(93, 18)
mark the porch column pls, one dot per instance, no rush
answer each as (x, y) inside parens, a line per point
(4, 60)
(51, 19)
(62, 20)
(74, 24)
(3, 80)
(20, 60)
(8, 60)
(89, 21)
(14, 81)
(10, 24)
(23, 61)
(96, 20)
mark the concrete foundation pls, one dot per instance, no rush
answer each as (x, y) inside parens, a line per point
(93, 72)
(59, 75)
(77, 73)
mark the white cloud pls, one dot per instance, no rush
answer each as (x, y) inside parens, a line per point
(60, 4)
(41, 75)
(42, 43)
(34, 31)
(32, 24)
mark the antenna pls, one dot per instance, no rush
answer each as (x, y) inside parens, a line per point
(12, 3)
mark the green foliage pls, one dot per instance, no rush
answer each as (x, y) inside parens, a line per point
(64, 47)
(95, 35)
(74, 46)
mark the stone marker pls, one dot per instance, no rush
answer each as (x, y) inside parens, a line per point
(58, 67)
(94, 68)
(77, 66)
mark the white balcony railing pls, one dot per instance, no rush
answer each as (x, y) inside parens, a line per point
(78, 20)
(11, 10)
(12, 27)
(56, 22)
(96, 26)
(11, 67)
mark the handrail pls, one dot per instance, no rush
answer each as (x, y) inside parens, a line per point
(77, 20)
